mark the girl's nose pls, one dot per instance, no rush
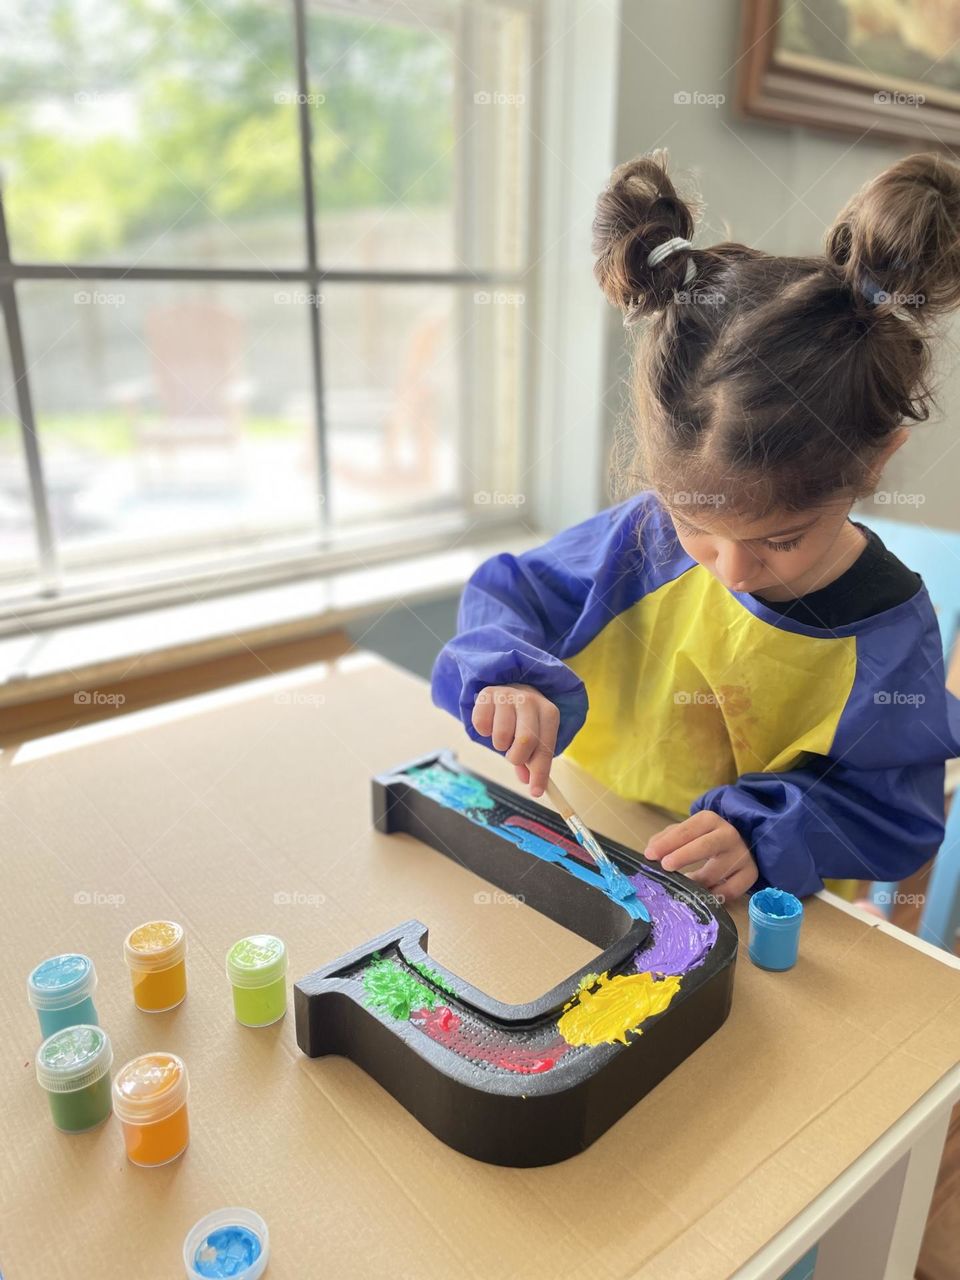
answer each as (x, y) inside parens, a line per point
(735, 566)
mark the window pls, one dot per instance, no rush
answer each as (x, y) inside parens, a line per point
(263, 268)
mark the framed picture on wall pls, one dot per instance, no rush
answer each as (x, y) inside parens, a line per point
(890, 67)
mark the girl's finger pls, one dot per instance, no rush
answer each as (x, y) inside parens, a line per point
(504, 727)
(526, 738)
(711, 845)
(736, 885)
(540, 771)
(679, 833)
(523, 773)
(483, 711)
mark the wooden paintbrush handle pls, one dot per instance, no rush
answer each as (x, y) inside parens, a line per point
(559, 800)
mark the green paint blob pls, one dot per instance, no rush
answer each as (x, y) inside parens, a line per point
(437, 979)
(395, 990)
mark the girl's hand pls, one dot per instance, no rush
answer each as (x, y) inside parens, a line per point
(523, 724)
(729, 870)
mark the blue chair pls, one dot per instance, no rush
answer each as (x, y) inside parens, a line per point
(935, 555)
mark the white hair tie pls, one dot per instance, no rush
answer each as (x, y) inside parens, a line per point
(654, 258)
(657, 255)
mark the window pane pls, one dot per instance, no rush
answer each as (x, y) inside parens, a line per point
(172, 417)
(18, 546)
(422, 395)
(420, 117)
(151, 133)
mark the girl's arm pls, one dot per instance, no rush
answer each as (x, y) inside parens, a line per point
(831, 820)
(519, 615)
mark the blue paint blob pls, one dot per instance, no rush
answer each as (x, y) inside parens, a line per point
(615, 883)
(227, 1251)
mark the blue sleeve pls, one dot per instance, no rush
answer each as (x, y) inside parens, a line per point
(520, 615)
(830, 820)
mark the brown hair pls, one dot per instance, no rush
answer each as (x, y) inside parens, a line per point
(776, 382)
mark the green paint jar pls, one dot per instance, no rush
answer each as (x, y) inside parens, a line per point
(73, 1066)
(257, 969)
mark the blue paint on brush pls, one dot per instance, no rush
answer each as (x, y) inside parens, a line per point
(616, 883)
(550, 852)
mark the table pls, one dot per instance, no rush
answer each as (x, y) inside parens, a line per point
(823, 1098)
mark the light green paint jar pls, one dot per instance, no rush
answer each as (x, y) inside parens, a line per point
(257, 969)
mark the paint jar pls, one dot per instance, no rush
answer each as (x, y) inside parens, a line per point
(150, 1101)
(775, 919)
(227, 1242)
(156, 957)
(61, 990)
(257, 969)
(73, 1066)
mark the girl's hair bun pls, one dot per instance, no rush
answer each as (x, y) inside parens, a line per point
(897, 241)
(637, 210)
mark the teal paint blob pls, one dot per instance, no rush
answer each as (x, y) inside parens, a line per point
(455, 790)
(227, 1251)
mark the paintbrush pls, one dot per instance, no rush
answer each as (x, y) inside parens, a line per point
(614, 878)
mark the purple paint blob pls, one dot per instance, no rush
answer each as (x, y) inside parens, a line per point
(680, 940)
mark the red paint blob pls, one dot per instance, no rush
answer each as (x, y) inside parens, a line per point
(446, 1028)
(546, 833)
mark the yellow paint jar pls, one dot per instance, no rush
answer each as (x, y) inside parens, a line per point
(150, 1101)
(156, 955)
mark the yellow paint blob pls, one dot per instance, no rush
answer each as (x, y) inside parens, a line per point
(618, 1005)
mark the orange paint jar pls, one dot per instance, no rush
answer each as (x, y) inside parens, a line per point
(150, 1101)
(156, 955)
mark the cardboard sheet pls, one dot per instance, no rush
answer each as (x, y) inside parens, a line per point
(249, 811)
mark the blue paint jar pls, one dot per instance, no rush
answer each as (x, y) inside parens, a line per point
(775, 919)
(61, 990)
(227, 1242)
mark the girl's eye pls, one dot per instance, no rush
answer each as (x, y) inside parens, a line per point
(784, 546)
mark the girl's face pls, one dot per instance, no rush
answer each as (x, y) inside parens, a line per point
(781, 556)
